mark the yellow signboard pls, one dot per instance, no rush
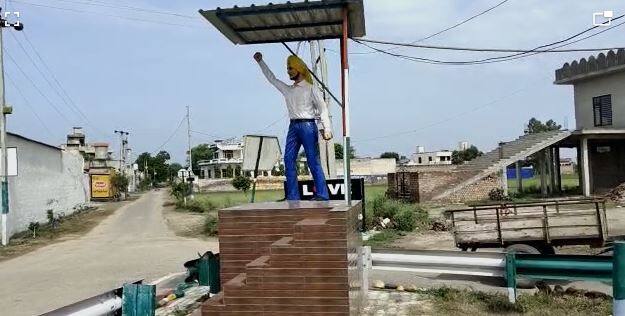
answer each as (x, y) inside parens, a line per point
(101, 186)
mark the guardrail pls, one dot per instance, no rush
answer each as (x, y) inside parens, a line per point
(510, 266)
(449, 262)
(107, 303)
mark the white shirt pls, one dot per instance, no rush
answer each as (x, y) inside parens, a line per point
(303, 100)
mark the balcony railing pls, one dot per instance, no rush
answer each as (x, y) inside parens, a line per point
(220, 160)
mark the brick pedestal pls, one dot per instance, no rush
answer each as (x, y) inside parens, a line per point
(285, 258)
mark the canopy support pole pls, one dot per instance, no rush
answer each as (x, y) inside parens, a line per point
(345, 96)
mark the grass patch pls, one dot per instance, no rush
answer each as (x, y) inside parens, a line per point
(73, 225)
(448, 301)
(210, 225)
(219, 200)
(383, 238)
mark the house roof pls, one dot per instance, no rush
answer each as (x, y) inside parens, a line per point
(287, 22)
(34, 141)
(603, 64)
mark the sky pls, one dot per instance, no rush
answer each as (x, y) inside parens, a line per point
(125, 69)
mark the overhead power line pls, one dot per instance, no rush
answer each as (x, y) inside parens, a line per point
(205, 134)
(58, 83)
(126, 7)
(473, 49)
(525, 53)
(75, 109)
(171, 136)
(102, 14)
(36, 87)
(443, 30)
(27, 103)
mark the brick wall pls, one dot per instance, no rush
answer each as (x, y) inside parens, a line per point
(289, 259)
(423, 186)
(476, 191)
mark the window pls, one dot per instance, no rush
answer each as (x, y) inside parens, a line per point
(429, 158)
(602, 109)
(228, 154)
(420, 161)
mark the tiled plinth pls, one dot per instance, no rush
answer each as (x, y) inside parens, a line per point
(285, 258)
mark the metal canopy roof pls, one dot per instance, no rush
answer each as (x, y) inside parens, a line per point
(301, 21)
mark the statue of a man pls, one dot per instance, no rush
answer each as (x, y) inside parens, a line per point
(304, 103)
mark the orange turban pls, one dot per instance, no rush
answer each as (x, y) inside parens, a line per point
(299, 65)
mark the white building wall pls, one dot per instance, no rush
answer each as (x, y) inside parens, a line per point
(48, 178)
(584, 92)
(368, 166)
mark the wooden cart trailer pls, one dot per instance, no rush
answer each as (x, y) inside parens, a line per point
(534, 227)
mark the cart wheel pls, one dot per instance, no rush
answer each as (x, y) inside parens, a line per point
(523, 248)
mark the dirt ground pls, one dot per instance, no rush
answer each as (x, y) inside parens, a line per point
(72, 227)
(184, 223)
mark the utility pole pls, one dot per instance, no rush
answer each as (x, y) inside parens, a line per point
(190, 177)
(320, 68)
(18, 26)
(123, 141)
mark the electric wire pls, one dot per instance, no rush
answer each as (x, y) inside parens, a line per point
(36, 87)
(126, 7)
(525, 53)
(27, 103)
(443, 30)
(171, 135)
(76, 110)
(60, 86)
(103, 14)
(472, 49)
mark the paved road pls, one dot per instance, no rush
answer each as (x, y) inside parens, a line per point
(134, 243)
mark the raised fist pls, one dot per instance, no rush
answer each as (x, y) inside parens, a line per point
(258, 56)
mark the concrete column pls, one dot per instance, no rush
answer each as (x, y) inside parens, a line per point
(585, 167)
(504, 180)
(543, 172)
(519, 177)
(552, 173)
(558, 172)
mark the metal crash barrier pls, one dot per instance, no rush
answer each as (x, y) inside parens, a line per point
(509, 265)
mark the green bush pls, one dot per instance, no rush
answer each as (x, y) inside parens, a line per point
(210, 225)
(195, 206)
(385, 208)
(242, 183)
(180, 189)
(406, 219)
(369, 218)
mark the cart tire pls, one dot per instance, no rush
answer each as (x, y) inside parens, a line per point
(523, 283)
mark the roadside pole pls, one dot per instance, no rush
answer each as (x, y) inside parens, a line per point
(319, 68)
(618, 278)
(18, 26)
(190, 177)
(345, 94)
(3, 155)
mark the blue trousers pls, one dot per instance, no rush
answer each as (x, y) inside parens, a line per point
(303, 133)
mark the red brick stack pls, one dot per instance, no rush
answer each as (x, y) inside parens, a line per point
(288, 259)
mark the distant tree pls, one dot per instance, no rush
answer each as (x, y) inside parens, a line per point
(199, 153)
(158, 167)
(536, 126)
(460, 156)
(142, 160)
(120, 183)
(173, 170)
(338, 151)
(390, 155)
